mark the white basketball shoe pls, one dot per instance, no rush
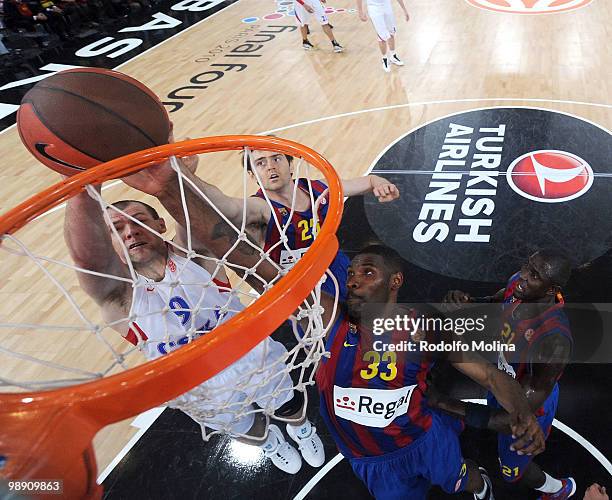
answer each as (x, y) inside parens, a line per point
(396, 60)
(385, 65)
(309, 443)
(282, 454)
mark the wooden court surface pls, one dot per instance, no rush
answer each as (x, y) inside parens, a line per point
(457, 57)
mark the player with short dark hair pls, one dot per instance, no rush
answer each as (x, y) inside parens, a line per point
(535, 323)
(274, 173)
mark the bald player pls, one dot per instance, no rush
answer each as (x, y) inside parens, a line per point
(535, 323)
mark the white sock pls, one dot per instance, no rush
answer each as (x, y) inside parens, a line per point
(551, 485)
(485, 490)
(271, 442)
(304, 430)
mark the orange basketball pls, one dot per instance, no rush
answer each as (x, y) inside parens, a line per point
(77, 119)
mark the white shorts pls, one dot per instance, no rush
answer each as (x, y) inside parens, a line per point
(224, 402)
(303, 16)
(383, 20)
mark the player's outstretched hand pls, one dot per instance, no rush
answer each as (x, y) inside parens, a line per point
(384, 190)
(528, 434)
(596, 492)
(457, 297)
(152, 180)
(309, 9)
(407, 15)
(363, 17)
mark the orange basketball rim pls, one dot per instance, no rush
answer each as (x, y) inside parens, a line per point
(48, 435)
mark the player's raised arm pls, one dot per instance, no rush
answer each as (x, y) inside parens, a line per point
(548, 362)
(207, 226)
(257, 210)
(524, 426)
(89, 242)
(378, 186)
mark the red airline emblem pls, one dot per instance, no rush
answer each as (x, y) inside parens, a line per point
(345, 402)
(529, 6)
(550, 176)
(171, 265)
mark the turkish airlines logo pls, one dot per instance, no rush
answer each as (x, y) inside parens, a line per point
(550, 176)
(529, 6)
(371, 407)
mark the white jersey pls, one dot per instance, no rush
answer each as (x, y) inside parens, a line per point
(185, 302)
(381, 15)
(302, 16)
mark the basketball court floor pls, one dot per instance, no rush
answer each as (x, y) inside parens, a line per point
(524, 81)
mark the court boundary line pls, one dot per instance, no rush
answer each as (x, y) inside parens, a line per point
(568, 431)
(436, 102)
(406, 105)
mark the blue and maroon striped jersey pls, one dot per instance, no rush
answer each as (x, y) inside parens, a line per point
(372, 401)
(524, 334)
(299, 235)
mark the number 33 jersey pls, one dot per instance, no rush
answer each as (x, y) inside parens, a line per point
(372, 401)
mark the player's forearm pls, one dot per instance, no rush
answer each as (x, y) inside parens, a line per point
(359, 185)
(90, 246)
(211, 230)
(85, 231)
(232, 208)
(401, 4)
(507, 391)
(475, 415)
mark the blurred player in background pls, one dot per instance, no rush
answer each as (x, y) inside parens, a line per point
(303, 9)
(383, 20)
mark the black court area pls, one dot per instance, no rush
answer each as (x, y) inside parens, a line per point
(481, 190)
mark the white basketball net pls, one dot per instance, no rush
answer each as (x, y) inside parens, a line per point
(51, 334)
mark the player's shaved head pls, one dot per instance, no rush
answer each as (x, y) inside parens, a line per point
(391, 259)
(555, 266)
(121, 205)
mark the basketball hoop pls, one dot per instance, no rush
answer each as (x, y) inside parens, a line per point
(48, 434)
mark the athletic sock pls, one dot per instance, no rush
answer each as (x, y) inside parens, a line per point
(304, 430)
(551, 485)
(484, 492)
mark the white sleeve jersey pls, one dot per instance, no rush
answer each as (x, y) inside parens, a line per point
(187, 304)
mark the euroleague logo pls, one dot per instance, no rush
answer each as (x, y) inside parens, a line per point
(550, 176)
(530, 6)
